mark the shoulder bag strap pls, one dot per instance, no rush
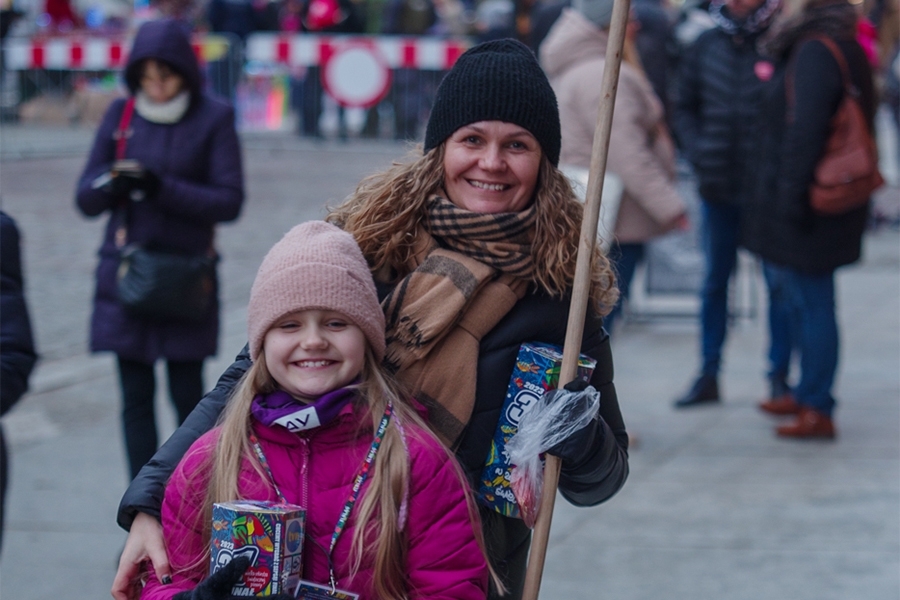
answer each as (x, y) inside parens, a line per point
(121, 135)
(849, 88)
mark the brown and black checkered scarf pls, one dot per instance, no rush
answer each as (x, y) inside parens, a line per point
(465, 277)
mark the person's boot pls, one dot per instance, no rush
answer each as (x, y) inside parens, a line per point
(704, 391)
(810, 424)
(781, 400)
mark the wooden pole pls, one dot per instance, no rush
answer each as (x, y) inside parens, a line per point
(582, 284)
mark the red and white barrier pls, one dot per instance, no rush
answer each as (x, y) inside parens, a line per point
(68, 53)
(102, 53)
(396, 52)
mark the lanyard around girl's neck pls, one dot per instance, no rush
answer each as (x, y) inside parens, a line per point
(354, 491)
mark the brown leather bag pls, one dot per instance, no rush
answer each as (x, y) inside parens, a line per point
(847, 173)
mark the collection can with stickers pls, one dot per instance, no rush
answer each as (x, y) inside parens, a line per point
(536, 371)
(270, 534)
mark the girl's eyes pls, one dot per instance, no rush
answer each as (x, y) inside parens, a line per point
(290, 325)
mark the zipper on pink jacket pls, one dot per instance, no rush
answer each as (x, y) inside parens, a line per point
(304, 473)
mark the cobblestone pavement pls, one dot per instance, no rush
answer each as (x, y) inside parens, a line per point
(715, 508)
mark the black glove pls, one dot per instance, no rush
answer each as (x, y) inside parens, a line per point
(577, 447)
(115, 185)
(134, 182)
(218, 586)
(141, 184)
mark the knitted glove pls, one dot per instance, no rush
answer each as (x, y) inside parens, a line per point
(579, 446)
(218, 586)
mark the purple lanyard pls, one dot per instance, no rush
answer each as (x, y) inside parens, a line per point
(354, 492)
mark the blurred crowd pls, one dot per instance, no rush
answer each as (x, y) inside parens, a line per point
(660, 33)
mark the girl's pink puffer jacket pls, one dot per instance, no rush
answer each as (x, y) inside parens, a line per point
(316, 470)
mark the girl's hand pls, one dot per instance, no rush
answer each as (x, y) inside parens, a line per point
(145, 542)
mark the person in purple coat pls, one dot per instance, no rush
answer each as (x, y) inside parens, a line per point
(186, 176)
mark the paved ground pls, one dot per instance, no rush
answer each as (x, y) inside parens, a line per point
(715, 508)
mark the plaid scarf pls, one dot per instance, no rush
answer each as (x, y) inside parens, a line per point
(466, 275)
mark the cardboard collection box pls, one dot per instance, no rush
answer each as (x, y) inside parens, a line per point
(536, 371)
(270, 534)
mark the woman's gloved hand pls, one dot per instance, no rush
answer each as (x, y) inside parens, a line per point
(577, 447)
(140, 182)
(128, 181)
(218, 586)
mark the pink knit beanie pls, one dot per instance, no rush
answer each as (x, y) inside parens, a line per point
(315, 266)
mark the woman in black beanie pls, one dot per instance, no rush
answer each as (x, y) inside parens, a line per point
(473, 245)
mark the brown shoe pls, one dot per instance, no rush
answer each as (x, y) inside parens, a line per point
(782, 405)
(809, 424)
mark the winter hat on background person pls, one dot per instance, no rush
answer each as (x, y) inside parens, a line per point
(499, 80)
(168, 41)
(315, 266)
(598, 12)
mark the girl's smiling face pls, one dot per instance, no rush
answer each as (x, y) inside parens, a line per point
(491, 167)
(312, 352)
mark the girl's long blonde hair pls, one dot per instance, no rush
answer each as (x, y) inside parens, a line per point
(377, 536)
(387, 210)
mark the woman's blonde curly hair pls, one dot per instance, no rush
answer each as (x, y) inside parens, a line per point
(387, 210)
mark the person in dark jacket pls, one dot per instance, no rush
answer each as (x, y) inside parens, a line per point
(411, 89)
(715, 118)
(801, 245)
(324, 17)
(17, 354)
(480, 260)
(188, 179)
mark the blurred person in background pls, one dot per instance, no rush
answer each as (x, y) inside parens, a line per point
(805, 247)
(188, 178)
(716, 116)
(495, 20)
(235, 19)
(640, 149)
(324, 16)
(411, 89)
(17, 354)
(655, 45)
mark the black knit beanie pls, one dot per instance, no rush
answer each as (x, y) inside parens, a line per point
(499, 80)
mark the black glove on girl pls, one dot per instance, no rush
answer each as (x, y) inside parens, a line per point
(218, 586)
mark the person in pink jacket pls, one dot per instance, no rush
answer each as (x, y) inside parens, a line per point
(641, 151)
(318, 423)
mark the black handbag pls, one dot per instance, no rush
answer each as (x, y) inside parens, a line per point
(166, 286)
(155, 284)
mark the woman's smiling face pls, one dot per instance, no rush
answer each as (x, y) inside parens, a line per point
(491, 167)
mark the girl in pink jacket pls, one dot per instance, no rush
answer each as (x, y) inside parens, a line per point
(316, 422)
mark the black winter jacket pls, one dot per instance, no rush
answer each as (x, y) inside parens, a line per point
(537, 317)
(779, 224)
(17, 354)
(717, 111)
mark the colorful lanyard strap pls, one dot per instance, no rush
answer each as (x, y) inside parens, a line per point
(361, 478)
(354, 492)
